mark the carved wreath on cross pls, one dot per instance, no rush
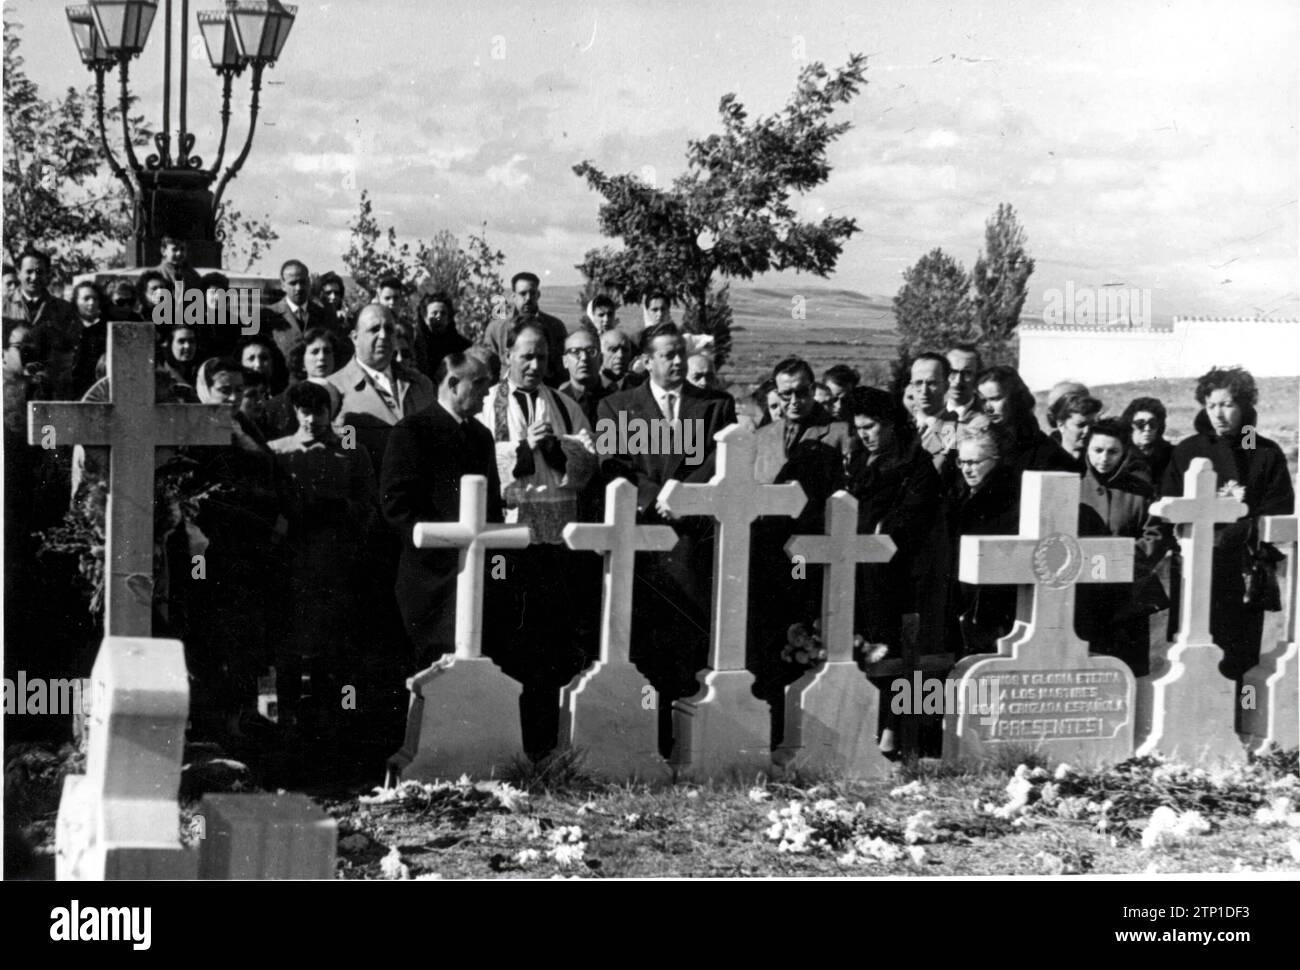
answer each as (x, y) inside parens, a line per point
(1058, 560)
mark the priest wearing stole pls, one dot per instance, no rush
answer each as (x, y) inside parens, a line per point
(545, 455)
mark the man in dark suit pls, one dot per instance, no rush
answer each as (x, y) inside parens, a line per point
(804, 445)
(52, 323)
(296, 312)
(671, 604)
(377, 391)
(428, 453)
(580, 359)
(436, 335)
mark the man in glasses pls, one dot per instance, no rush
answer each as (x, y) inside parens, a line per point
(581, 360)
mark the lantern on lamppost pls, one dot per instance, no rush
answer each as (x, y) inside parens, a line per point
(172, 193)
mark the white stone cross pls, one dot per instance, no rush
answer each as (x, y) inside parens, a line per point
(1192, 706)
(1048, 559)
(735, 498)
(839, 551)
(472, 535)
(1043, 688)
(832, 711)
(1273, 719)
(1195, 516)
(619, 539)
(120, 820)
(603, 711)
(132, 426)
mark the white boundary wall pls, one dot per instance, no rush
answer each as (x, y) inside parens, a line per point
(1113, 355)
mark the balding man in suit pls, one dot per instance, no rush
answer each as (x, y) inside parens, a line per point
(377, 392)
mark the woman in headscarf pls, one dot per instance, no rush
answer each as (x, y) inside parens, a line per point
(1251, 469)
(236, 601)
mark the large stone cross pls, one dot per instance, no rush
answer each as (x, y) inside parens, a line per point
(735, 498)
(832, 711)
(472, 536)
(1193, 706)
(725, 727)
(464, 714)
(1042, 687)
(132, 425)
(603, 711)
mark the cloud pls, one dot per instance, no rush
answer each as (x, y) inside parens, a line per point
(509, 174)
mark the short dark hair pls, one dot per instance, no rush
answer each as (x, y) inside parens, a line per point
(309, 396)
(328, 279)
(9, 271)
(603, 302)
(526, 276)
(1111, 428)
(98, 291)
(288, 263)
(939, 359)
(1152, 405)
(451, 363)
(880, 405)
(214, 280)
(1237, 381)
(793, 366)
(759, 397)
(651, 334)
(390, 283)
(439, 296)
(967, 348)
(658, 293)
(31, 252)
(522, 324)
(1069, 404)
(843, 375)
(299, 352)
(171, 237)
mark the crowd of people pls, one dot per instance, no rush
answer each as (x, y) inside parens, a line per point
(352, 426)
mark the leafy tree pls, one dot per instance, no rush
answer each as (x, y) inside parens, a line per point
(729, 214)
(933, 309)
(58, 195)
(471, 273)
(1001, 278)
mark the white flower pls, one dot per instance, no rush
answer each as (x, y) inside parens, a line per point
(631, 818)
(1294, 846)
(1049, 793)
(565, 834)
(759, 795)
(392, 866)
(917, 853)
(1280, 811)
(1167, 827)
(825, 805)
(693, 793)
(920, 828)
(1062, 771)
(527, 856)
(428, 876)
(568, 854)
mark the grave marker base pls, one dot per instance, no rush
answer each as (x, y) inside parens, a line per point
(1275, 720)
(1192, 708)
(602, 714)
(463, 720)
(84, 852)
(831, 716)
(723, 730)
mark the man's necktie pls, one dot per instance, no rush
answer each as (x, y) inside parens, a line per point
(670, 406)
(792, 430)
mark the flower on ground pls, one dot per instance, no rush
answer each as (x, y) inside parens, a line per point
(567, 845)
(527, 856)
(392, 866)
(920, 828)
(759, 794)
(917, 853)
(1168, 827)
(865, 851)
(1280, 811)
(913, 789)
(1050, 864)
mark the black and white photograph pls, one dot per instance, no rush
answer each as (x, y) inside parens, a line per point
(472, 441)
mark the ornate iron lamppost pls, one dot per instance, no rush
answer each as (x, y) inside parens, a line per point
(172, 193)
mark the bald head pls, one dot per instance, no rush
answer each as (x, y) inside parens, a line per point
(701, 372)
(616, 353)
(374, 335)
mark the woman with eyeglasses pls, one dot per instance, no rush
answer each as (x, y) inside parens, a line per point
(1145, 419)
(985, 501)
(1253, 470)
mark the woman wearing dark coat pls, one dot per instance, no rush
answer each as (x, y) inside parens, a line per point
(1010, 403)
(1144, 419)
(1113, 617)
(900, 495)
(1251, 468)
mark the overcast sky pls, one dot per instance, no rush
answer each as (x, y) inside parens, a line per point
(1145, 143)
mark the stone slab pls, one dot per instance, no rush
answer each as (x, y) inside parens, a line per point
(604, 714)
(284, 836)
(831, 716)
(724, 731)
